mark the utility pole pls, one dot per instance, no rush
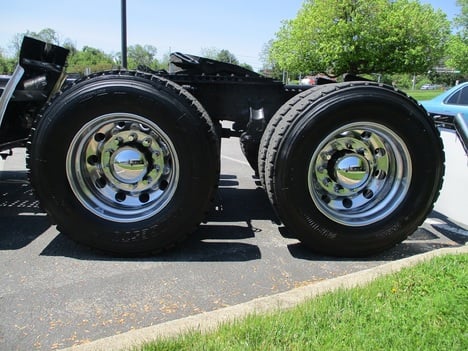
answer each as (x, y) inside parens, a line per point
(124, 34)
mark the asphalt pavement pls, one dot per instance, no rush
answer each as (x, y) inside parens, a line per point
(55, 293)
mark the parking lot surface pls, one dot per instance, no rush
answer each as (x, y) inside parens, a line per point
(55, 293)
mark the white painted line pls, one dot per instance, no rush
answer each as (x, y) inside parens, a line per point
(235, 160)
(434, 221)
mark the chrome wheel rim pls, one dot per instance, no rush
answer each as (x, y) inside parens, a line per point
(359, 174)
(122, 167)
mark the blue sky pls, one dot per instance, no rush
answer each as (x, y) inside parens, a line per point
(240, 26)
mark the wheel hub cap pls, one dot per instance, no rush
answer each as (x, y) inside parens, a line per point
(351, 171)
(129, 165)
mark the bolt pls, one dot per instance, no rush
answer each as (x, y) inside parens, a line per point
(325, 156)
(148, 180)
(117, 141)
(146, 142)
(366, 134)
(337, 146)
(132, 137)
(338, 188)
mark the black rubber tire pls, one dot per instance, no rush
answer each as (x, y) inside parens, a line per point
(183, 157)
(383, 208)
(271, 127)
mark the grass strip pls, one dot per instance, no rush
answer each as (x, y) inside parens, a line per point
(419, 308)
(421, 95)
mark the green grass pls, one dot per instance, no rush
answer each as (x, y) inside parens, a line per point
(421, 95)
(420, 308)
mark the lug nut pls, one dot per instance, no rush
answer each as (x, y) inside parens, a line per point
(146, 142)
(117, 141)
(338, 188)
(321, 169)
(325, 156)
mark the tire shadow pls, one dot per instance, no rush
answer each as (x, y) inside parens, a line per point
(21, 219)
(223, 237)
(427, 237)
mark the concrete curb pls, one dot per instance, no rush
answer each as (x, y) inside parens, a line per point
(210, 320)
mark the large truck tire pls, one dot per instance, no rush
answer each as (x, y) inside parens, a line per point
(125, 162)
(352, 168)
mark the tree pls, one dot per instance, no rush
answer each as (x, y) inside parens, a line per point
(47, 34)
(89, 59)
(462, 19)
(457, 52)
(220, 55)
(457, 48)
(270, 66)
(226, 56)
(142, 55)
(7, 65)
(362, 36)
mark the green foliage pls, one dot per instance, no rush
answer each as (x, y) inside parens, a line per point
(89, 59)
(142, 55)
(47, 34)
(361, 36)
(226, 56)
(220, 55)
(7, 65)
(271, 68)
(461, 20)
(457, 48)
(457, 51)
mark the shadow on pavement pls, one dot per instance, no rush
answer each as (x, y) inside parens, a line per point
(22, 221)
(219, 239)
(193, 249)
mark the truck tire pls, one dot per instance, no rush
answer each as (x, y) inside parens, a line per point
(353, 168)
(125, 162)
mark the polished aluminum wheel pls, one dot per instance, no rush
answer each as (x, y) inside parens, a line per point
(359, 174)
(122, 167)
